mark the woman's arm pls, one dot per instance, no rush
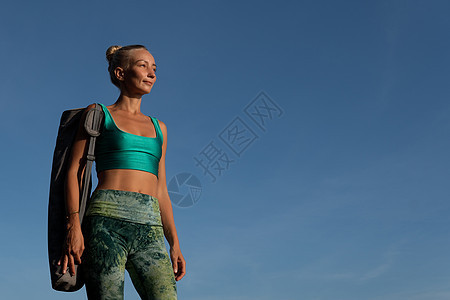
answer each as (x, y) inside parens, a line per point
(165, 205)
(74, 244)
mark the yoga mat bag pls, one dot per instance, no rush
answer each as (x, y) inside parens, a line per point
(68, 127)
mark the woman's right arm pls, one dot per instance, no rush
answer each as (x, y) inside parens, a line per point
(74, 243)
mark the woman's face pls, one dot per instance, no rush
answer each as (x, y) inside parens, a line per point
(140, 76)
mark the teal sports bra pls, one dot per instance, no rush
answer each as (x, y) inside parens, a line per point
(117, 149)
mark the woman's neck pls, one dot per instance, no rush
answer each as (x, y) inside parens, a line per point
(128, 103)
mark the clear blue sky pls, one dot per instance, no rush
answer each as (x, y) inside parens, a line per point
(344, 196)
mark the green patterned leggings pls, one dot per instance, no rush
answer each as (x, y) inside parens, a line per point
(113, 245)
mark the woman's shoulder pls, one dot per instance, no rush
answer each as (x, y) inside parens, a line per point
(159, 121)
(161, 124)
(90, 106)
(162, 127)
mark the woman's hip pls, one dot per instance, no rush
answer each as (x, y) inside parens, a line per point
(125, 205)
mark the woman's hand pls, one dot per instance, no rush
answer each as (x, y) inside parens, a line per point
(178, 262)
(73, 248)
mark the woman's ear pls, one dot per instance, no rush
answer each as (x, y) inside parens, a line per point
(119, 72)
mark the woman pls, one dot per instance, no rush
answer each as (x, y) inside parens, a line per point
(130, 211)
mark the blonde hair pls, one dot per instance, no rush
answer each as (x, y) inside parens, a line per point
(118, 56)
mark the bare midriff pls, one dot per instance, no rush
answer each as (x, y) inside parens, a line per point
(128, 180)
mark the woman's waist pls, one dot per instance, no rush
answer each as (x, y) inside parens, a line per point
(127, 180)
(125, 205)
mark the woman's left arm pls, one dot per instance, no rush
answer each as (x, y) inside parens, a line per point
(165, 205)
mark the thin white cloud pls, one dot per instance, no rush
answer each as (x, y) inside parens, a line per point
(389, 259)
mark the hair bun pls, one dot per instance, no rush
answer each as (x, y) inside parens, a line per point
(110, 52)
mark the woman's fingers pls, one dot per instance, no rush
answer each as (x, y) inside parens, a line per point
(71, 265)
(181, 268)
(64, 265)
(175, 266)
(178, 263)
(68, 261)
(77, 257)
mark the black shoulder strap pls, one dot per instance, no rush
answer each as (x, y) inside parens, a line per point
(92, 124)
